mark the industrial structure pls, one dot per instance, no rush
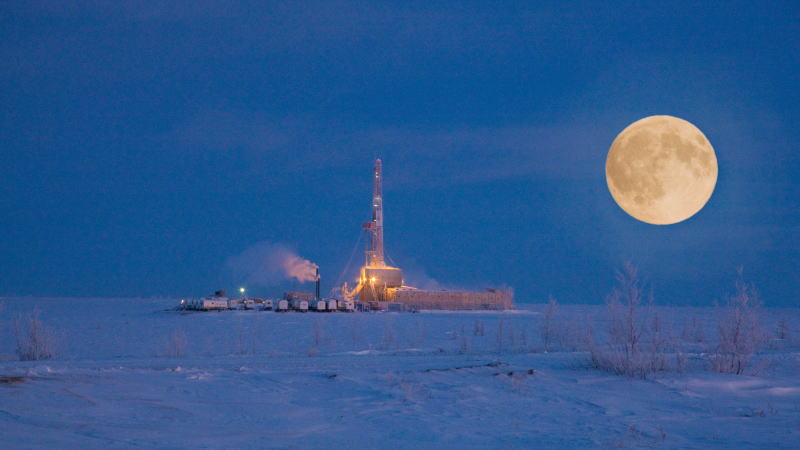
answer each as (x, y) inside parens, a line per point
(381, 285)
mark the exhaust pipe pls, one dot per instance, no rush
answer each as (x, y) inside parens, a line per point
(317, 283)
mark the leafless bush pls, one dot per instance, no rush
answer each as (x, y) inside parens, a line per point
(548, 330)
(634, 348)
(523, 340)
(463, 341)
(659, 341)
(389, 334)
(681, 361)
(419, 334)
(34, 340)
(246, 340)
(500, 335)
(478, 329)
(740, 334)
(316, 333)
(316, 337)
(783, 332)
(693, 331)
(175, 346)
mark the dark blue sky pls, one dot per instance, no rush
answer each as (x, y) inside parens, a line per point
(145, 144)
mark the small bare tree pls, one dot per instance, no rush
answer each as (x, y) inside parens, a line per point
(500, 335)
(783, 332)
(634, 349)
(739, 331)
(176, 344)
(548, 330)
(316, 337)
(478, 328)
(34, 340)
(693, 331)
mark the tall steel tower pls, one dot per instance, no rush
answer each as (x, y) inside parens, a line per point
(374, 228)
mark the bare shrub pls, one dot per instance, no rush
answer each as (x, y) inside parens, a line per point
(693, 331)
(419, 339)
(548, 330)
(316, 337)
(34, 340)
(659, 341)
(634, 348)
(783, 332)
(316, 333)
(500, 335)
(389, 334)
(523, 339)
(740, 334)
(681, 361)
(176, 344)
(246, 340)
(478, 329)
(463, 341)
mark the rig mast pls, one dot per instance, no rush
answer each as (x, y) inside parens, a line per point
(374, 253)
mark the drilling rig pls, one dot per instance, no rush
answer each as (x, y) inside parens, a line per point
(380, 284)
(376, 276)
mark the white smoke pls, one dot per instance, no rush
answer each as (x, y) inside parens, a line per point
(267, 264)
(299, 268)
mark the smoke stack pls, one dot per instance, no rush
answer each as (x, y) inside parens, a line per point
(317, 283)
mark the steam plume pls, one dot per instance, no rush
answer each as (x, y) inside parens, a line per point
(267, 264)
(302, 269)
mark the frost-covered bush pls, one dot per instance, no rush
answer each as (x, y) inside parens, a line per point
(548, 329)
(740, 334)
(175, 345)
(636, 347)
(783, 332)
(500, 336)
(34, 340)
(693, 331)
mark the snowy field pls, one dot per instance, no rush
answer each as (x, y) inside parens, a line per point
(129, 373)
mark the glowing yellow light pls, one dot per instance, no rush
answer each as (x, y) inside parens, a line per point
(372, 279)
(241, 289)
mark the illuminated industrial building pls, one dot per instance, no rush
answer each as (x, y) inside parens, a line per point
(380, 284)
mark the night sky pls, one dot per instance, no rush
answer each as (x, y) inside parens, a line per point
(144, 145)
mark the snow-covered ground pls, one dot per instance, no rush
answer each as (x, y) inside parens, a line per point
(129, 373)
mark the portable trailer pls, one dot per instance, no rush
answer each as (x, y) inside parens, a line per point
(281, 305)
(332, 304)
(249, 303)
(204, 304)
(234, 303)
(299, 305)
(267, 305)
(346, 305)
(317, 305)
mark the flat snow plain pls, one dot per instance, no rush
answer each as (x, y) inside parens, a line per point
(129, 373)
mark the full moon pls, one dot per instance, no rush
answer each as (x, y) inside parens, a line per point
(661, 170)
